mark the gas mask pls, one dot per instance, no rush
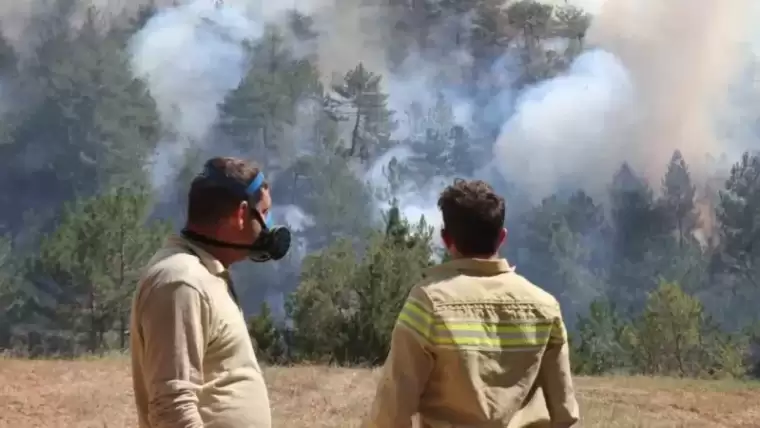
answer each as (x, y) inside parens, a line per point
(272, 243)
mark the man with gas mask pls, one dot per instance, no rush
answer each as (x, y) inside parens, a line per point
(193, 363)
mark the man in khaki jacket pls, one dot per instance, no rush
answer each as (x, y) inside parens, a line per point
(193, 365)
(476, 344)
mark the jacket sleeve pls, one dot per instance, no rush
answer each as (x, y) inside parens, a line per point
(407, 367)
(174, 320)
(556, 378)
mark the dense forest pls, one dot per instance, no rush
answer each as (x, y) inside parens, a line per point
(360, 113)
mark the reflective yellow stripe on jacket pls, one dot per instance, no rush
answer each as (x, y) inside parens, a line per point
(474, 334)
(415, 316)
(482, 335)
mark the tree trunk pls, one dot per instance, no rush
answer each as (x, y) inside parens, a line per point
(355, 132)
(122, 331)
(93, 333)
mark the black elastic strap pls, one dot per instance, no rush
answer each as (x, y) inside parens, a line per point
(197, 237)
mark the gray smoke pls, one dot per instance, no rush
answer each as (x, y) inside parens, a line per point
(191, 56)
(656, 78)
(414, 200)
(659, 80)
(20, 21)
(562, 130)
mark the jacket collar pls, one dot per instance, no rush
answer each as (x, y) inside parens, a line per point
(472, 266)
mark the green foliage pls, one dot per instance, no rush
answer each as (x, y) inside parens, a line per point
(85, 272)
(640, 230)
(672, 336)
(556, 248)
(535, 21)
(678, 202)
(325, 187)
(739, 222)
(89, 124)
(8, 292)
(319, 307)
(600, 345)
(261, 113)
(360, 102)
(267, 338)
(345, 307)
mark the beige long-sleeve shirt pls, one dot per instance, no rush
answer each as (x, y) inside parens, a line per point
(193, 364)
(477, 345)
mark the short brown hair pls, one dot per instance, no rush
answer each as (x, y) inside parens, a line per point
(473, 216)
(209, 201)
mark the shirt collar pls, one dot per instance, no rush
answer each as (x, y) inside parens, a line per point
(474, 266)
(214, 266)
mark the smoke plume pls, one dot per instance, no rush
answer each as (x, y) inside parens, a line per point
(659, 78)
(656, 78)
(191, 56)
(562, 131)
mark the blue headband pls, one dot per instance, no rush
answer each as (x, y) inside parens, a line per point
(255, 184)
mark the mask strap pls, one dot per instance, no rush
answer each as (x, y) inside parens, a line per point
(193, 236)
(255, 184)
(253, 188)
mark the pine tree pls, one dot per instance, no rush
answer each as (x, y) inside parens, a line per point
(572, 23)
(92, 123)
(739, 223)
(533, 20)
(677, 200)
(261, 114)
(85, 267)
(638, 233)
(266, 337)
(359, 101)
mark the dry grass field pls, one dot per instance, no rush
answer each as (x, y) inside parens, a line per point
(97, 394)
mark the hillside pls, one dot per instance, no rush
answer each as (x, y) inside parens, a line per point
(97, 393)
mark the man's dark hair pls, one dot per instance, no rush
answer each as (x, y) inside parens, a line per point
(473, 216)
(208, 201)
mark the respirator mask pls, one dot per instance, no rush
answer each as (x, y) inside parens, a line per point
(272, 243)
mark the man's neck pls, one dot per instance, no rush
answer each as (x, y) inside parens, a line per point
(222, 254)
(495, 256)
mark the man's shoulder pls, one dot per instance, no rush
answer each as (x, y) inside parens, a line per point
(531, 291)
(170, 266)
(446, 287)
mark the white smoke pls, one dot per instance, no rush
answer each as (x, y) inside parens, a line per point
(593, 7)
(570, 131)
(415, 200)
(559, 131)
(298, 222)
(292, 215)
(658, 81)
(191, 56)
(418, 82)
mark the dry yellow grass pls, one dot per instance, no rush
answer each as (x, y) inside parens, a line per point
(97, 394)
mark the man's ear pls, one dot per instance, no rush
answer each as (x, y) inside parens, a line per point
(445, 238)
(502, 236)
(241, 215)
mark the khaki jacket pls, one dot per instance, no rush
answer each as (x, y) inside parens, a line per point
(477, 345)
(193, 364)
